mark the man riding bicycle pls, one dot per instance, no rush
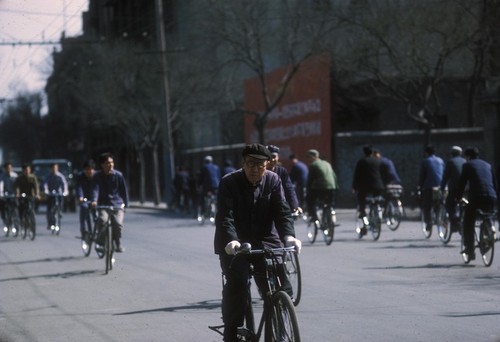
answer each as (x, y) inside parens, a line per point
(451, 175)
(26, 183)
(251, 207)
(54, 186)
(110, 190)
(478, 174)
(321, 183)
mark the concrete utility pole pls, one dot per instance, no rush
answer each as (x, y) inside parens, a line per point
(168, 144)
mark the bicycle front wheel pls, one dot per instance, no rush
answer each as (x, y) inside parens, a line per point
(292, 268)
(486, 242)
(281, 323)
(31, 225)
(108, 249)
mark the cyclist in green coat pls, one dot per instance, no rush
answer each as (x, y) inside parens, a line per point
(321, 184)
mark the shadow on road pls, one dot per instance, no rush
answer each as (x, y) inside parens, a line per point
(53, 275)
(60, 259)
(203, 305)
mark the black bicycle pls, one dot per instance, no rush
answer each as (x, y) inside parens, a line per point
(88, 236)
(372, 222)
(393, 209)
(27, 216)
(279, 320)
(54, 216)
(11, 220)
(104, 240)
(326, 222)
(484, 236)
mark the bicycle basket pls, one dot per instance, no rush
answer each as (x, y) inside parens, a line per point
(394, 190)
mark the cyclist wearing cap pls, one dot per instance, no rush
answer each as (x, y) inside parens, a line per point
(286, 182)
(478, 174)
(321, 183)
(251, 207)
(451, 175)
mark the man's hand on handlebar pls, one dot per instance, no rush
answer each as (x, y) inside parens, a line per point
(232, 247)
(290, 241)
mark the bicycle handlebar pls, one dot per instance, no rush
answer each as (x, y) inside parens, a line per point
(110, 207)
(246, 249)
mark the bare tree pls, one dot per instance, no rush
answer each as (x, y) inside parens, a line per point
(249, 34)
(406, 54)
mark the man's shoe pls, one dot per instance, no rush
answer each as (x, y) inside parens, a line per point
(428, 227)
(119, 249)
(361, 231)
(470, 255)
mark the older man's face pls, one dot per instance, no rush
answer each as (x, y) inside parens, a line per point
(254, 169)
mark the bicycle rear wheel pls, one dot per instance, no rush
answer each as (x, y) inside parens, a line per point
(312, 231)
(427, 233)
(292, 268)
(328, 225)
(443, 225)
(281, 322)
(486, 242)
(375, 223)
(394, 214)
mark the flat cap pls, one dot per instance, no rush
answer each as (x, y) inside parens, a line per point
(256, 151)
(456, 149)
(313, 153)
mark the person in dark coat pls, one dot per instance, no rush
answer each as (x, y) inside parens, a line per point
(479, 175)
(251, 208)
(367, 180)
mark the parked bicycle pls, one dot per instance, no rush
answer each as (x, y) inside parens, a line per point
(54, 215)
(104, 239)
(393, 209)
(279, 320)
(439, 216)
(484, 235)
(88, 237)
(372, 222)
(11, 220)
(27, 216)
(326, 222)
(207, 211)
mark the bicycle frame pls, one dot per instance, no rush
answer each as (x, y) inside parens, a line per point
(107, 229)
(54, 216)
(27, 216)
(11, 215)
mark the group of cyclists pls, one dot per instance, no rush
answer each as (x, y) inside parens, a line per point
(464, 175)
(105, 187)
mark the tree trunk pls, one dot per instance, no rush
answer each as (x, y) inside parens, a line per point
(156, 175)
(142, 176)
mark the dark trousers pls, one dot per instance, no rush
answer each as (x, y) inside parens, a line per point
(52, 201)
(485, 204)
(361, 195)
(316, 197)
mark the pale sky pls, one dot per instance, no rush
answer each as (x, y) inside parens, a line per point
(26, 67)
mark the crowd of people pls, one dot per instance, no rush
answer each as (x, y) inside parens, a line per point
(94, 189)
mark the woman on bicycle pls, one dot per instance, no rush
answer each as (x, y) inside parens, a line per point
(251, 207)
(478, 174)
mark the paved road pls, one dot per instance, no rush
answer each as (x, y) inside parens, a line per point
(166, 286)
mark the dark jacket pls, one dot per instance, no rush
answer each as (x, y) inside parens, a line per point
(479, 175)
(367, 177)
(452, 171)
(110, 189)
(288, 187)
(84, 186)
(257, 214)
